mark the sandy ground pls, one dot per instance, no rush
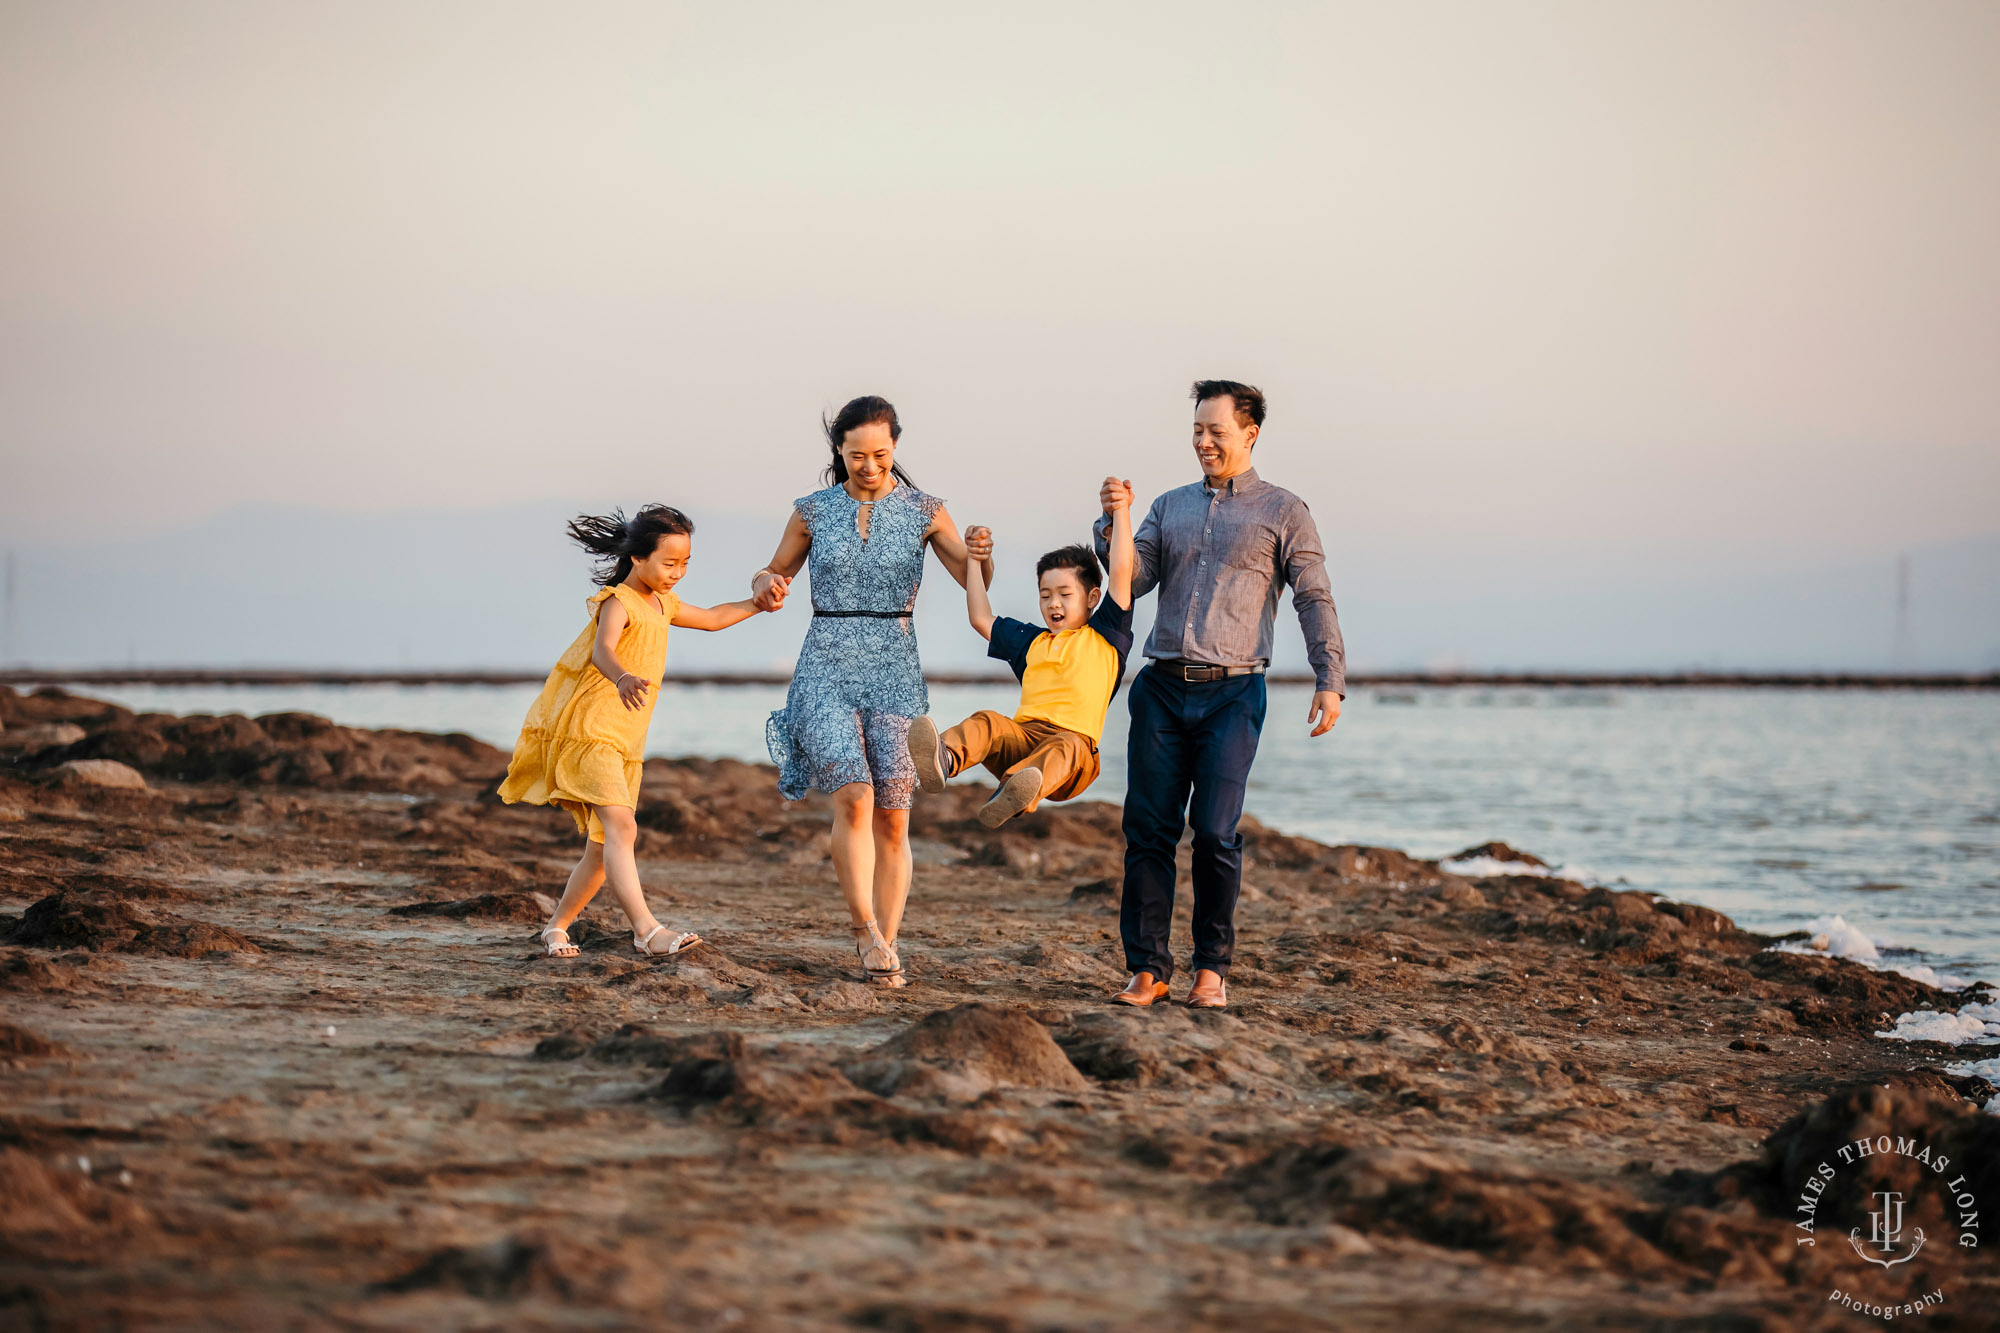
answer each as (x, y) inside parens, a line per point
(280, 1052)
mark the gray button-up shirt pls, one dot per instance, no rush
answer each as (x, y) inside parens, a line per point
(1217, 557)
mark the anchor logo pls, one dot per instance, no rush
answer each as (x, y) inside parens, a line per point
(1885, 1225)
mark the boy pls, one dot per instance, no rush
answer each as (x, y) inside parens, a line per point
(1068, 673)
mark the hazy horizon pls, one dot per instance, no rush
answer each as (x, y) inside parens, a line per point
(1591, 330)
(390, 594)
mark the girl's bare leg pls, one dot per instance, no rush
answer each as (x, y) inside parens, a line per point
(584, 882)
(621, 866)
(854, 851)
(892, 869)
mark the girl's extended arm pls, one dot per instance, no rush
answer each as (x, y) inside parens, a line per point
(611, 620)
(1122, 555)
(715, 617)
(769, 585)
(943, 536)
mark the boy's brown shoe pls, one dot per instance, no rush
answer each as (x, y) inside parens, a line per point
(1014, 796)
(927, 753)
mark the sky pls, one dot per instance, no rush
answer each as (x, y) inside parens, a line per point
(1670, 297)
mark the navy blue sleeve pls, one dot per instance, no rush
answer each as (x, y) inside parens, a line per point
(1113, 624)
(1011, 638)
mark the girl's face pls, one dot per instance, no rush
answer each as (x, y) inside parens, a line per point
(661, 570)
(869, 454)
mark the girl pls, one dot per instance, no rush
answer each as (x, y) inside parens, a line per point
(858, 682)
(584, 741)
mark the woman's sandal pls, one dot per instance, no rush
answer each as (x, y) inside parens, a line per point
(559, 947)
(878, 957)
(685, 939)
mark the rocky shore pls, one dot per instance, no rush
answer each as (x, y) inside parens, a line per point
(279, 1051)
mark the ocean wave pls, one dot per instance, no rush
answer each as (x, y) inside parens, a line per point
(1835, 937)
(1476, 867)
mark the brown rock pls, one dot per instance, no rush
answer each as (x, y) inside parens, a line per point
(964, 1052)
(21, 1042)
(1499, 851)
(97, 773)
(525, 908)
(101, 921)
(34, 740)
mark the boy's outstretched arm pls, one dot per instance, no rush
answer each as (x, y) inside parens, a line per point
(1123, 554)
(714, 617)
(979, 607)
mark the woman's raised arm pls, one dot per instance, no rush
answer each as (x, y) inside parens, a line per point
(943, 536)
(769, 585)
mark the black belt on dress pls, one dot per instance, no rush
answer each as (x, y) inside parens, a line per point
(866, 615)
(1198, 672)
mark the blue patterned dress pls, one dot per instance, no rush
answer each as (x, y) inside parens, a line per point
(858, 681)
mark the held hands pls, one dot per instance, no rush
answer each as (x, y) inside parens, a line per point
(979, 543)
(1323, 710)
(771, 596)
(1114, 495)
(632, 691)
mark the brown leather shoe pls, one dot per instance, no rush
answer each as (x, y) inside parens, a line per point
(1141, 991)
(1209, 992)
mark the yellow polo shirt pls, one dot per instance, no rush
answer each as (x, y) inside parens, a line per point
(1068, 678)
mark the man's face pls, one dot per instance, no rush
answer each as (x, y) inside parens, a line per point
(661, 570)
(1065, 603)
(1221, 444)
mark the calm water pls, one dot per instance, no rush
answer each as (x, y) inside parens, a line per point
(1776, 807)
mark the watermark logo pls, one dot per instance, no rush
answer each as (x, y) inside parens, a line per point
(1885, 1226)
(1898, 1183)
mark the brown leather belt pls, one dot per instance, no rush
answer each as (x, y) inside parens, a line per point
(1199, 672)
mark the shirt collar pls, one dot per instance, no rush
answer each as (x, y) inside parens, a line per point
(1242, 481)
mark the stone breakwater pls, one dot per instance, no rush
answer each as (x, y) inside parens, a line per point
(279, 1050)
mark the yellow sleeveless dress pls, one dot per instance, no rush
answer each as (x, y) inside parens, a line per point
(580, 746)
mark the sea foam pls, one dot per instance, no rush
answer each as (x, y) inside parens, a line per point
(1835, 937)
(1476, 867)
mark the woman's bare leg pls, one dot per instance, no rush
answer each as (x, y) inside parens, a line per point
(892, 869)
(584, 882)
(854, 849)
(621, 866)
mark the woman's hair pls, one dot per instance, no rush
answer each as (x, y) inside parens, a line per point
(619, 540)
(868, 411)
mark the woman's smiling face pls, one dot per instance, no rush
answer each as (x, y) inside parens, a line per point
(869, 453)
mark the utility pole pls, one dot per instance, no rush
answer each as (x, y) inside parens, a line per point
(12, 653)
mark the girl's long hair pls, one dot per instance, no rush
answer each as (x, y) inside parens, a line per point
(617, 541)
(866, 411)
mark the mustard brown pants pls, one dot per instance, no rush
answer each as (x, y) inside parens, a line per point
(1068, 759)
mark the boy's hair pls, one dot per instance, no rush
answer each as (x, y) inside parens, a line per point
(617, 540)
(1077, 557)
(1248, 399)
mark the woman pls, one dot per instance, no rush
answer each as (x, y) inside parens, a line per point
(858, 682)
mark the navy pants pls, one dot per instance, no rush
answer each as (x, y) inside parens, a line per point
(1187, 763)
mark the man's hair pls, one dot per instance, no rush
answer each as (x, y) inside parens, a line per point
(1248, 398)
(1078, 557)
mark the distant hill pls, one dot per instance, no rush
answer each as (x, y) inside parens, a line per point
(503, 588)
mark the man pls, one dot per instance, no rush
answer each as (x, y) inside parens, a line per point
(1217, 550)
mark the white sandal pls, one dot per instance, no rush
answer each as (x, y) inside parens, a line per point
(879, 958)
(562, 949)
(680, 940)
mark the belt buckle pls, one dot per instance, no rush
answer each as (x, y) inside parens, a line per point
(1204, 674)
